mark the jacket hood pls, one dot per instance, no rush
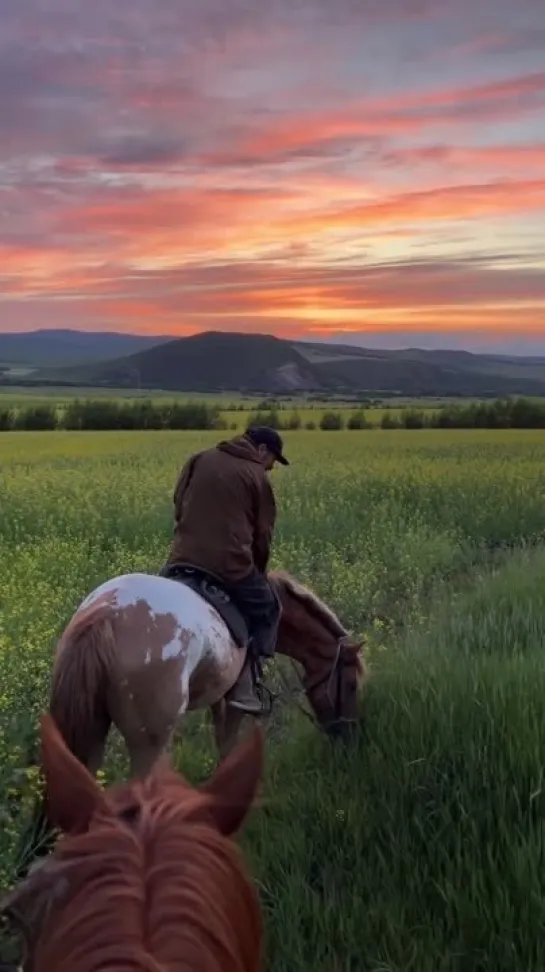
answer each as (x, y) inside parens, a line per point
(241, 447)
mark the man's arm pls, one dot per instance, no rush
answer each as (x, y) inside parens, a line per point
(264, 526)
(182, 483)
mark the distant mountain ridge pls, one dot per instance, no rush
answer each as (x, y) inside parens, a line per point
(59, 347)
(219, 361)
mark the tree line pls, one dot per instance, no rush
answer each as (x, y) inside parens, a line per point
(104, 415)
(503, 413)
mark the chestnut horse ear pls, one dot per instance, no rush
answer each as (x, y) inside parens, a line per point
(234, 784)
(72, 793)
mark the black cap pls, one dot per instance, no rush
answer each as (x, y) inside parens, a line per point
(262, 435)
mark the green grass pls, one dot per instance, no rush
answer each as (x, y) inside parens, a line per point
(422, 847)
(21, 394)
(16, 395)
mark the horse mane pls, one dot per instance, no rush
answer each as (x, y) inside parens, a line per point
(314, 605)
(153, 882)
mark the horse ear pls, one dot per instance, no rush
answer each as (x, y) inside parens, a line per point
(234, 784)
(73, 794)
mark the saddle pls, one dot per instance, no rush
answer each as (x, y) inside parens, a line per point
(211, 589)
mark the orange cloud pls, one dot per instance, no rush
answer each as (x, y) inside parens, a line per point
(166, 227)
(154, 264)
(485, 158)
(447, 203)
(376, 118)
(327, 297)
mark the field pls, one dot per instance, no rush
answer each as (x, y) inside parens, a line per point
(421, 848)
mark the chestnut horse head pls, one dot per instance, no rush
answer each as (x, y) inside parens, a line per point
(145, 875)
(312, 634)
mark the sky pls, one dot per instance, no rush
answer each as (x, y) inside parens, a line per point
(359, 171)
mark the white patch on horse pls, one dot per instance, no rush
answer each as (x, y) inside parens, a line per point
(175, 646)
(200, 630)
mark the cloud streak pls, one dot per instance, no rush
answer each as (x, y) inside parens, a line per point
(290, 168)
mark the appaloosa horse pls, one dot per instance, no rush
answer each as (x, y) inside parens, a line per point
(141, 650)
(146, 875)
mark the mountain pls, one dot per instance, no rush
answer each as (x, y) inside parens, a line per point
(39, 349)
(261, 363)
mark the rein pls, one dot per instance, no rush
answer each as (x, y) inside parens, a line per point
(335, 670)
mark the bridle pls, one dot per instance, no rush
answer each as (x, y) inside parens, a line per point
(338, 668)
(334, 678)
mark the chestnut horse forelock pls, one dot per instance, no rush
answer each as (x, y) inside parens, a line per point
(152, 886)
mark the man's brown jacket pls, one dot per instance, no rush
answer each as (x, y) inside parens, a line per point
(224, 510)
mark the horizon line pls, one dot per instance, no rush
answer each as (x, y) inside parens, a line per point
(331, 341)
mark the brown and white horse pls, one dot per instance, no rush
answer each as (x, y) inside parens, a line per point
(141, 650)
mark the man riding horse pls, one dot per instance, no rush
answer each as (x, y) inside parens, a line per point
(225, 513)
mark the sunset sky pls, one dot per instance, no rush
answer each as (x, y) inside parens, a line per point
(368, 171)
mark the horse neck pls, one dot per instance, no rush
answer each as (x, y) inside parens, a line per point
(305, 639)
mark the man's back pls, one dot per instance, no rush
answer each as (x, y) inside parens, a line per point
(224, 511)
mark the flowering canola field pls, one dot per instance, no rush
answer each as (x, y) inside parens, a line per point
(420, 848)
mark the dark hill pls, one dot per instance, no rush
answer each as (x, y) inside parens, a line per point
(257, 362)
(218, 361)
(205, 362)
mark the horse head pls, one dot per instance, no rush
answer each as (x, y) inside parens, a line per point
(313, 635)
(156, 840)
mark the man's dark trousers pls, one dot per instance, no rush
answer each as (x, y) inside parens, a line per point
(260, 608)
